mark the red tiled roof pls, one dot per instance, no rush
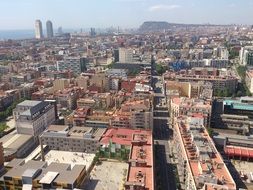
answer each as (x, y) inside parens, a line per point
(121, 136)
(239, 151)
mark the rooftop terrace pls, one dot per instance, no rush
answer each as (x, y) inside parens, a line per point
(205, 162)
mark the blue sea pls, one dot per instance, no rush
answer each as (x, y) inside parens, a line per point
(16, 34)
(23, 34)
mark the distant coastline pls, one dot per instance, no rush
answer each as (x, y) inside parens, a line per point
(27, 34)
(16, 34)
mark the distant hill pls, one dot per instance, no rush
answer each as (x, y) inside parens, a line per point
(151, 26)
(154, 26)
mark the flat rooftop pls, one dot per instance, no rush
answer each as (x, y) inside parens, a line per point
(240, 104)
(29, 103)
(72, 158)
(46, 173)
(122, 136)
(142, 176)
(74, 132)
(107, 176)
(195, 137)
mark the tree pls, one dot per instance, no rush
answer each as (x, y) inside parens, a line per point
(239, 93)
(210, 131)
(160, 69)
(241, 70)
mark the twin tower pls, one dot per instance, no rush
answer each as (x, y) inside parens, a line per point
(39, 30)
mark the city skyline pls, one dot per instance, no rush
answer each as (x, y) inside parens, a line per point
(123, 13)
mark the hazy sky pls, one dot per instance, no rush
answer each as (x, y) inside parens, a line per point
(21, 14)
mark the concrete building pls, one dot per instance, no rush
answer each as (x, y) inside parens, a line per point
(249, 80)
(99, 101)
(18, 146)
(98, 120)
(40, 175)
(200, 166)
(33, 117)
(221, 81)
(115, 76)
(134, 114)
(85, 102)
(66, 98)
(239, 123)
(60, 84)
(119, 73)
(125, 55)
(140, 174)
(80, 115)
(190, 107)
(38, 29)
(82, 82)
(233, 113)
(236, 147)
(135, 146)
(75, 139)
(27, 89)
(1, 155)
(241, 106)
(73, 64)
(189, 89)
(246, 55)
(100, 80)
(222, 53)
(50, 30)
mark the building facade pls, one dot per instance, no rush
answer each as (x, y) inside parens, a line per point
(200, 166)
(38, 29)
(33, 117)
(50, 30)
(76, 139)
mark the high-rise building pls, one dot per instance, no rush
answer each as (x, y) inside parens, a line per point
(125, 55)
(38, 29)
(93, 32)
(60, 32)
(50, 31)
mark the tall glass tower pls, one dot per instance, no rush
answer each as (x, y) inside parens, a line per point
(50, 31)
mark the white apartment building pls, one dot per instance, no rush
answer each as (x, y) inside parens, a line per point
(38, 29)
(33, 117)
(246, 55)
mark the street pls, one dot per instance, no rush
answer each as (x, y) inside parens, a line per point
(165, 179)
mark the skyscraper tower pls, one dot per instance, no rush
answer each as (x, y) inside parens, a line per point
(92, 32)
(38, 29)
(50, 31)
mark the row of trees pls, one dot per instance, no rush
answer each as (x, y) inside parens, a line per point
(223, 93)
(8, 112)
(242, 87)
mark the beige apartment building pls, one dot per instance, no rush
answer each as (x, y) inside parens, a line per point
(75, 139)
(187, 106)
(60, 84)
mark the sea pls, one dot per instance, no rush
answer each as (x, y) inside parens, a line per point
(24, 34)
(16, 34)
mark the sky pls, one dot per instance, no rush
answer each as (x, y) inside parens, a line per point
(21, 14)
